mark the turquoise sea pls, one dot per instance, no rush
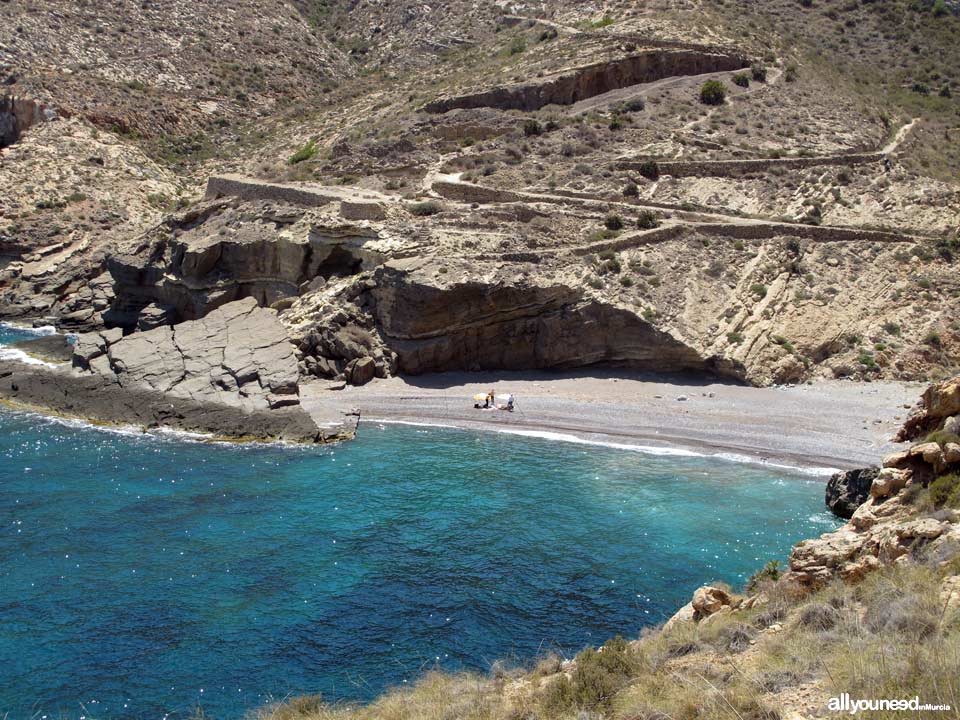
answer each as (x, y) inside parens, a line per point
(142, 576)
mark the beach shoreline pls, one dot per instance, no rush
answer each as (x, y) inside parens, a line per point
(818, 427)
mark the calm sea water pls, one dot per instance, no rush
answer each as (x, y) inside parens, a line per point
(143, 576)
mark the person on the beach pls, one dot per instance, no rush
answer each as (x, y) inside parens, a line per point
(489, 401)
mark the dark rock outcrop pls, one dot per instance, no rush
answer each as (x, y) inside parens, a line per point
(846, 491)
(17, 115)
(50, 348)
(101, 399)
(586, 82)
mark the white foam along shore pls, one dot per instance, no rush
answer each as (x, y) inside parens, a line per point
(11, 353)
(655, 450)
(40, 331)
(816, 428)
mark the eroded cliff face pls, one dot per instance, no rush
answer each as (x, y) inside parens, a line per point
(219, 253)
(17, 115)
(473, 325)
(581, 83)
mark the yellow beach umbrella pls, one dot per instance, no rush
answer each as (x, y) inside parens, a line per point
(480, 397)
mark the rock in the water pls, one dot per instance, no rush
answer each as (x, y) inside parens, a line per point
(51, 348)
(846, 491)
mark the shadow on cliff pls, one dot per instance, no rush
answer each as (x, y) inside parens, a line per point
(446, 380)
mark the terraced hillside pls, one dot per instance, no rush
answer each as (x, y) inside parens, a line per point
(406, 185)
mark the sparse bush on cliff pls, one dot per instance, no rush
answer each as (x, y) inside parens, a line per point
(631, 190)
(613, 222)
(423, 209)
(712, 92)
(307, 152)
(531, 127)
(945, 491)
(597, 678)
(758, 71)
(517, 46)
(650, 170)
(647, 220)
(741, 79)
(771, 571)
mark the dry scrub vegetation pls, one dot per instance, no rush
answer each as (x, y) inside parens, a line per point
(889, 636)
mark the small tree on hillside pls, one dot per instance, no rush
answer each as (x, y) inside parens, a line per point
(712, 92)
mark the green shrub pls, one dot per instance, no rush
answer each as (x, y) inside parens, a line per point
(759, 289)
(428, 207)
(613, 222)
(933, 339)
(866, 359)
(942, 437)
(770, 571)
(626, 280)
(759, 72)
(307, 152)
(891, 328)
(790, 74)
(531, 127)
(616, 123)
(631, 190)
(712, 92)
(647, 220)
(650, 170)
(634, 105)
(734, 338)
(741, 79)
(517, 46)
(945, 491)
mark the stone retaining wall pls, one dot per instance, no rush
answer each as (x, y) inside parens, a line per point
(221, 186)
(592, 80)
(724, 168)
(468, 192)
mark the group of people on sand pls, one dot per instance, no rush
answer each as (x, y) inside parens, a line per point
(490, 402)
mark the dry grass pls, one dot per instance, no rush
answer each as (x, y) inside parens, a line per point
(887, 637)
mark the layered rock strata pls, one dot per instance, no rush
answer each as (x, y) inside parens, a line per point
(238, 355)
(580, 83)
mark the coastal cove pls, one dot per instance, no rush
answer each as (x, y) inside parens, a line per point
(147, 575)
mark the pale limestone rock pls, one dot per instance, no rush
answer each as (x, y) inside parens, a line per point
(896, 459)
(889, 481)
(927, 528)
(951, 453)
(708, 600)
(950, 594)
(684, 614)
